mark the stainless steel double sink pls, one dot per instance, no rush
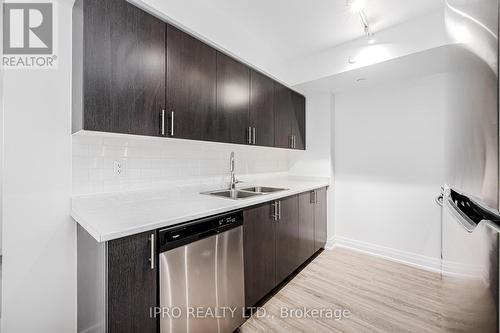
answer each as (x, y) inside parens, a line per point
(246, 192)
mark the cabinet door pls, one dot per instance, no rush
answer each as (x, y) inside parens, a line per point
(299, 120)
(132, 285)
(259, 252)
(283, 109)
(261, 108)
(306, 226)
(191, 86)
(123, 68)
(320, 219)
(233, 92)
(287, 239)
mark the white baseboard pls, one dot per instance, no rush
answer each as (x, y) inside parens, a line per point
(330, 243)
(408, 258)
(466, 271)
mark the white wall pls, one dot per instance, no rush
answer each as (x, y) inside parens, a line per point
(151, 162)
(39, 268)
(389, 167)
(1, 162)
(1, 141)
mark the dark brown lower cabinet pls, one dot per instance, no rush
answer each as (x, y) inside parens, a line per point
(259, 232)
(132, 285)
(287, 238)
(116, 283)
(320, 218)
(274, 247)
(306, 226)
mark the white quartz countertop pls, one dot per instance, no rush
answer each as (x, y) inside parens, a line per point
(114, 215)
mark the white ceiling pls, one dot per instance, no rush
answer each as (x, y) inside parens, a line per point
(420, 64)
(296, 28)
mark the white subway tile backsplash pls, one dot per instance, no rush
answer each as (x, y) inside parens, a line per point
(81, 175)
(87, 139)
(80, 150)
(150, 162)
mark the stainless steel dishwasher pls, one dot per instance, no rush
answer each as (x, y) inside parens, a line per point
(201, 275)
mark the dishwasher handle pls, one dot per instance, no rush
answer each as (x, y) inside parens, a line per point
(207, 234)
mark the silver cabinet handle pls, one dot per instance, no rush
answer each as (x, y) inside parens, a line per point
(294, 142)
(152, 259)
(290, 141)
(279, 210)
(172, 123)
(311, 196)
(253, 135)
(316, 201)
(162, 129)
(275, 211)
(249, 141)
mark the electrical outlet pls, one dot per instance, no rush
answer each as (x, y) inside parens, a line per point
(119, 168)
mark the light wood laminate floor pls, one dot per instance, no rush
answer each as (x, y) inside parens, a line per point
(381, 296)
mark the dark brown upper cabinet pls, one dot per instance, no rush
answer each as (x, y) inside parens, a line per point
(233, 99)
(118, 68)
(298, 121)
(261, 116)
(282, 116)
(191, 87)
(289, 115)
(135, 74)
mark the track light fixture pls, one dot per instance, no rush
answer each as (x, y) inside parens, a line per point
(357, 7)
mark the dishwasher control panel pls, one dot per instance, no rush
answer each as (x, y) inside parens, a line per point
(189, 232)
(227, 220)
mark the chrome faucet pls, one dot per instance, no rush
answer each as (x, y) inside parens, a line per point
(234, 181)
